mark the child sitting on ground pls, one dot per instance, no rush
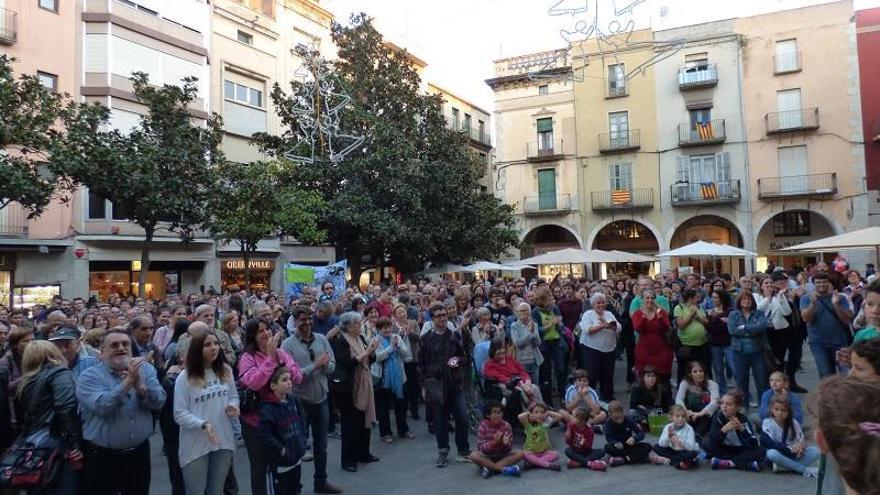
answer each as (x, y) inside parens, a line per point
(779, 388)
(579, 437)
(537, 451)
(580, 394)
(495, 452)
(732, 442)
(648, 397)
(865, 359)
(782, 436)
(623, 438)
(282, 435)
(678, 443)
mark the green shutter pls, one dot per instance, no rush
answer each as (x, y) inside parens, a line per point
(547, 189)
(545, 125)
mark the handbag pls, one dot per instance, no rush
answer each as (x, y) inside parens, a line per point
(28, 463)
(248, 400)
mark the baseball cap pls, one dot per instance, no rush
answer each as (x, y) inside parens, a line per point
(66, 333)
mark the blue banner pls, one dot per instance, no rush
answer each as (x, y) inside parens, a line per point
(298, 276)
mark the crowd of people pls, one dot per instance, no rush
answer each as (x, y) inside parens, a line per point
(712, 367)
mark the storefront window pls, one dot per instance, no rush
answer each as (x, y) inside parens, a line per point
(549, 271)
(26, 297)
(5, 287)
(123, 283)
(232, 272)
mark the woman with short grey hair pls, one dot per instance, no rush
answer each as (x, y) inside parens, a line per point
(483, 329)
(598, 341)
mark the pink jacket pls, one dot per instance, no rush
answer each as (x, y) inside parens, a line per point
(254, 372)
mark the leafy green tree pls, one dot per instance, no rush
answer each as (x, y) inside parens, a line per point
(158, 175)
(409, 193)
(253, 201)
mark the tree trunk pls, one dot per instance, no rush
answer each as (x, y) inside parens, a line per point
(354, 265)
(145, 262)
(246, 257)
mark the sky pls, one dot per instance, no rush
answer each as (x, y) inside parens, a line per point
(459, 39)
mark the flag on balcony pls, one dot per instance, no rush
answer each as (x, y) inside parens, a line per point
(705, 130)
(709, 190)
(620, 197)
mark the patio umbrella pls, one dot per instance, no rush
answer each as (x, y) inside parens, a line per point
(515, 266)
(632, 257)
(858, 239)
(570, 256)
(445, 268)
(703, 248)
(482, 266)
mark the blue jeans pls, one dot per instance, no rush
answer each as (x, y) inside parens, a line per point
(754, 361)
(317, 418)
(532, 370)
(811, 455)
(207, 473)
(455, 403)
(722, 358)
(826, 358)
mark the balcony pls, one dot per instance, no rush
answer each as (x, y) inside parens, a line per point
(797, 186)
(619, 141)
(545, 151)
(8, 28)
(616, 88)
(549, 204)
(13, 221)
(478, 136)
(786, 63)
(701, 133)
(701, 76)
(804, 119)
(623, 199)
(707, 193)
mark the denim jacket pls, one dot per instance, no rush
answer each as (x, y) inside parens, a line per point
(747, 335)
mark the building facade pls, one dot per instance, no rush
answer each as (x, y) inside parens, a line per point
(535, 165)
(868, 40)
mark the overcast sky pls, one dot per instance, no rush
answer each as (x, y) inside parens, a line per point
(459, 39)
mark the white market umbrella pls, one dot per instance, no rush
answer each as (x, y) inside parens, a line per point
(483, 266)
(703, 248)
(632, 257)
(445, 268)
(858, 239)
(570, 256)
(516, 267)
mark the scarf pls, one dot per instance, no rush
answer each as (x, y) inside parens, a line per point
(393, 376)
(362, 384)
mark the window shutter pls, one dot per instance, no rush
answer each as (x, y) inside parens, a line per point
(545, 125)
(722, 166)
(681, 169)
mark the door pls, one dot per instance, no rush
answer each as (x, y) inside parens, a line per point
(789, 106)
(701, 127)
(702, 177)
(793, 171)
(547, 189)
(618, 127)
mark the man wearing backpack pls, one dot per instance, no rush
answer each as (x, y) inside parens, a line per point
(827, 314)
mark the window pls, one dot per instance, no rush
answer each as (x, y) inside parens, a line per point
(547, 189)
(97, 207)
(620, 175)
(696, 62)
(616, 80)
(51, 5)
(483, 158)
(694, 171)
(482, 130)
(618, 128)
(545, 136)
(793, 170)
(787, 58)
(467, 123)
(543, 89)
(456, 120)
(49, 81)
(792, 223)
(700, 115)
(245, 38)
(117, 212)
(242, 94)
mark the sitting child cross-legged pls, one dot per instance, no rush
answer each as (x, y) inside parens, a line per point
(782, 436)
(579, 437)
(623, 438)
(678, 444)
(779, 386)
(732, 442)
(537, 451)
(495, 453)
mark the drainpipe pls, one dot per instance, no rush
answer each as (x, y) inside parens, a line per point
(749, 233)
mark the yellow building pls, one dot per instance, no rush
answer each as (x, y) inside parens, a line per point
(472, 121)
(535, 160)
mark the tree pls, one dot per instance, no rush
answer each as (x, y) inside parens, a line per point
(158, 175)
(384, 200)
(29, 111)
(249, 202)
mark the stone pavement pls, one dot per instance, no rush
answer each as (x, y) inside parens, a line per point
(407, 467)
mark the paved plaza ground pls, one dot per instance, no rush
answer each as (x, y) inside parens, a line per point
(407, 468)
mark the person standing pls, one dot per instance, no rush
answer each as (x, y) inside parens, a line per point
(598, 342)
(117, 400)
(313, 354)
(827, 314)
(748, 330)
(691, 321)
(652, 324)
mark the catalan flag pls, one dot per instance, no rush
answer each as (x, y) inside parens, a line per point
(709, 190)
(704, 129)
(620, 197)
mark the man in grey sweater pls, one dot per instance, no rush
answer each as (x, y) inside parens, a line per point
(313, 354)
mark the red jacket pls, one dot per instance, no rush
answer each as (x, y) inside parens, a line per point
(494, 370)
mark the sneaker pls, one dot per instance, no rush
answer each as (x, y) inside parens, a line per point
(443, 458)
(511, 470)
(308, 457)
(776, 468)
(717, 463)
(388, 439)
(334, 434)
(462, 457)
(598, 465)
(555, 466)
(573, 465)
(485, 473)
(811, 472)
(616, 461)
(754, 466)
(685, 465)
(658, 459)
(327, 488)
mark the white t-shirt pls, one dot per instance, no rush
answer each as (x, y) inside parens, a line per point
(604, 340)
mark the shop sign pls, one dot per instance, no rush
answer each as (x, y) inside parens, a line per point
(81, 253)
(253, 264)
